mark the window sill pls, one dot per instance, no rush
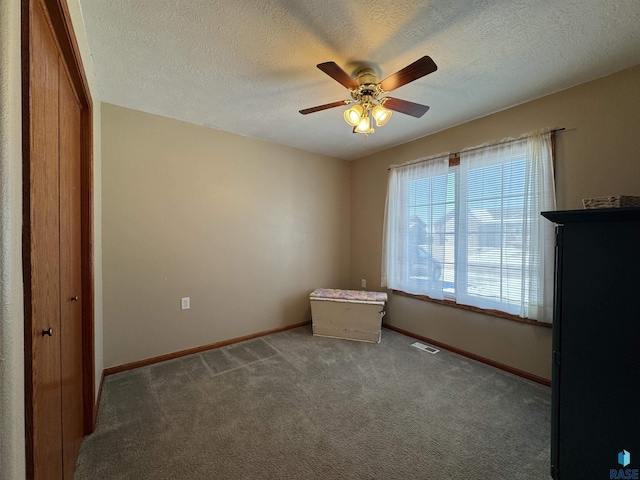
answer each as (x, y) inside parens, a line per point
(493, 313)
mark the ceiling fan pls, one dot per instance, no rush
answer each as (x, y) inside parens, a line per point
(368, 94)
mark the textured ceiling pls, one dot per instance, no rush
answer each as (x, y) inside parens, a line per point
(248, 66)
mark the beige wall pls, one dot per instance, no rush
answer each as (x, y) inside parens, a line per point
(12, 460)
(596, 155)
(245, 228)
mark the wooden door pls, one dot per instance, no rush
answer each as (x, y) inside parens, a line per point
(57, 339)
(44, 252)
(70, 274)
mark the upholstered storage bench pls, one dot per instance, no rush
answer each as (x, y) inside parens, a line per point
(350, 314)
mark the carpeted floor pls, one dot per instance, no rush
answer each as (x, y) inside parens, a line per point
(294, 406)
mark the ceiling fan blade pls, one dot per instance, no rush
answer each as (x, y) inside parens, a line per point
(406, 107)
(339, 75)
(323, 107)
(419, 68)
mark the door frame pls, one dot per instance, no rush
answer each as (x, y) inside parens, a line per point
(60, 21)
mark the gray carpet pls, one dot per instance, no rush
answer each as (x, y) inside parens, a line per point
(295, 406)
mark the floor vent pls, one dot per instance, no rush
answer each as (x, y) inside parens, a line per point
(426, 348)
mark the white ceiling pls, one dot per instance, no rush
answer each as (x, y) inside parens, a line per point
(248, 66)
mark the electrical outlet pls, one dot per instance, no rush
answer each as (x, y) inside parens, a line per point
(363, 282)
(185, 303)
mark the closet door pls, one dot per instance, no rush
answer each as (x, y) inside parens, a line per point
(53, 253)
(70, 274)
(43, 306)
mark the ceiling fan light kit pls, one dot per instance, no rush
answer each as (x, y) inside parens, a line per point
(368, 94)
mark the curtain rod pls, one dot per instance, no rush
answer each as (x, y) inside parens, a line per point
(456, 154)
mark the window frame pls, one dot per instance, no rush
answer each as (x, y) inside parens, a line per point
(492, 313)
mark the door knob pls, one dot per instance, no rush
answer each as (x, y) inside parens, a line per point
(74, 299)
(47, 332)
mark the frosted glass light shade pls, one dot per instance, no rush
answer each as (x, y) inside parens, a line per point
(352, 115)
(364, 125)
(381, 115)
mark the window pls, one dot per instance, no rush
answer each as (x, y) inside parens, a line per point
(471, 231)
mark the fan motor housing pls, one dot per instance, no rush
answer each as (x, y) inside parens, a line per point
(367, 76)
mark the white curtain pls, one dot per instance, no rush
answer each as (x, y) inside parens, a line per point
(416, 196)
(506, 249)
(473, 233)
(537, 301)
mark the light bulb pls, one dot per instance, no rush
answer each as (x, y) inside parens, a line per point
(381, 115)
(352, 115)
(364, 125)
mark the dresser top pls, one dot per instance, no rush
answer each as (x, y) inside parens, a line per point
(622, 214)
